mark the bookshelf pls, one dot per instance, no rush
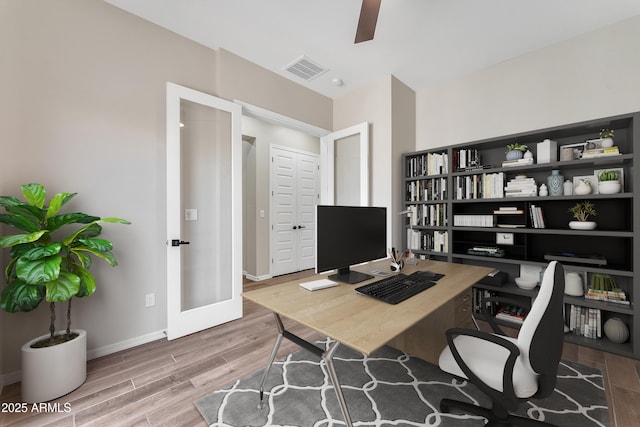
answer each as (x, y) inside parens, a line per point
(460, 205)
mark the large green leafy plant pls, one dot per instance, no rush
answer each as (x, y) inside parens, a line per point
(49, 261)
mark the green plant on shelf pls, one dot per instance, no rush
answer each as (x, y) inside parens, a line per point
(609, 175)
(607, 133)
(516, 147)
(581, 211)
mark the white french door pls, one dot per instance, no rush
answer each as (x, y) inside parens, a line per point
(204, 211)
(344, 166)
(294, 195)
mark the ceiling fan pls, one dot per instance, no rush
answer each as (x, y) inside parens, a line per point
(368, 19)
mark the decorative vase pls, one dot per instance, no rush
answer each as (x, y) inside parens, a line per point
(51, 372)
(606, 142)
(554, 182)
(583, 187)
(582, 225)
(567, 188)
(616, 330)
(573, 284)
(527, 155)
(543, 190)
(514, 155)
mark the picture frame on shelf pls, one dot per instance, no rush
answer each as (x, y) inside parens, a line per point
(591, 179)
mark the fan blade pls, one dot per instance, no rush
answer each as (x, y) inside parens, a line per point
(368, 19)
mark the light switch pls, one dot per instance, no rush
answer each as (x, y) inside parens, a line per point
(261, 213)
(191, 214)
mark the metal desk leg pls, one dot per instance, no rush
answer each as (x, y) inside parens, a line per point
(328, 358)
(271, 359)
(325, 355)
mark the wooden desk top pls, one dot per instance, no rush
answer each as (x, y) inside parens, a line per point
(361, 322)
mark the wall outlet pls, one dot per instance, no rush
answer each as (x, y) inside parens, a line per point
(150, 300)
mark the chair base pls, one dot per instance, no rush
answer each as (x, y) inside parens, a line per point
(496, 416)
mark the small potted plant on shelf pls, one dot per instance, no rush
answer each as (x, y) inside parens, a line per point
(606, 138)
(515, 151)
(581, 211)
(609, 182)
(50, 262)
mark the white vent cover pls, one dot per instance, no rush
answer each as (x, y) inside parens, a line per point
(305, 68)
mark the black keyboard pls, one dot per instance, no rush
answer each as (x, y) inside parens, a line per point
(398, 288)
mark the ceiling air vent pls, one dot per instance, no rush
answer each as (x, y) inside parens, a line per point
(305, 68)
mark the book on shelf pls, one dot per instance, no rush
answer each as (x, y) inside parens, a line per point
(585, 321)
(615, 296)
(511, 313)
(472, 220)
(518, 162)
(521, 186)
(508, 210)
(537, 217)
(600, 152)
(427, 164)
(486, 251)
(479, 186)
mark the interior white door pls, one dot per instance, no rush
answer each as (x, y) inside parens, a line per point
(344, 166)
(204, 211)
(294, 195)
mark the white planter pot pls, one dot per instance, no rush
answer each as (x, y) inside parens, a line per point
(51, 372)
(582, 225)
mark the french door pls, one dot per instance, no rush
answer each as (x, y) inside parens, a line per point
(204, 211)
(294, 195)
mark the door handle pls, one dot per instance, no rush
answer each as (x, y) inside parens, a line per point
(295, 227)
(302, 226)
(178, 242)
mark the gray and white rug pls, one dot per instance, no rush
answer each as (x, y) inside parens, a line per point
(388, 388)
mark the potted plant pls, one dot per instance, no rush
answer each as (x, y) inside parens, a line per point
(606, 138)
(609, 182)
(581, 211)
(515, 151)
(48, 264)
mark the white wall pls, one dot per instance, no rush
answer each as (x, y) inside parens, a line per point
(590, 76)
(83, 110)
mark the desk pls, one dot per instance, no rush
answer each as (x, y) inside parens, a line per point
(364, 323)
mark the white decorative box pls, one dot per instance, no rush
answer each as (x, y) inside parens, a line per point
(547, 151)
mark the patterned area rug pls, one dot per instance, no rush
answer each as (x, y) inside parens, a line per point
(388, 388)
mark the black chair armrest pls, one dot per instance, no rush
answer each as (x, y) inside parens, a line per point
(508, 395)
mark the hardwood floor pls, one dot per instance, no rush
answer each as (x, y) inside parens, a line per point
(155, 384)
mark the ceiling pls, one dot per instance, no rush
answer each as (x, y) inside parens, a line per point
(421, 42)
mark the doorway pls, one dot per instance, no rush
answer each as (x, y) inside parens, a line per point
(294, 196)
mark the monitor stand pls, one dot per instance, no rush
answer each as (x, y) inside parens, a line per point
(346, 275)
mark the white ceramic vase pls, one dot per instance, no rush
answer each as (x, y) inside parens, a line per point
(582, 187)
(573, 284)
(51, 372)
(616, 330)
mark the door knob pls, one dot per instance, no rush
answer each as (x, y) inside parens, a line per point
(295, 227)
(177, 242)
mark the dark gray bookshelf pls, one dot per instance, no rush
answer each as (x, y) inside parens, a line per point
(613, 238)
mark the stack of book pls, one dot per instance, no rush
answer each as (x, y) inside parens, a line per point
(617, 296)
(519, 162)
(586, 322)
(486, 251)
(521, 186)
(427, 164)
(511, 313)
(600, 152)
(471, 220)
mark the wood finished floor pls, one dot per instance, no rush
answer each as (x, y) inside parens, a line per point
(155, 384)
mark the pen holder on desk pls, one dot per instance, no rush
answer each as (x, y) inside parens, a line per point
(396, 266)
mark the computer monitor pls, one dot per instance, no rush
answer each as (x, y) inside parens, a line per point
(349, 235)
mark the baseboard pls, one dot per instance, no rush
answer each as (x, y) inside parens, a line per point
(14, 377)
(125, 345)
(258, 278)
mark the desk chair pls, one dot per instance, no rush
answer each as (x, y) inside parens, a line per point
(511, 370)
